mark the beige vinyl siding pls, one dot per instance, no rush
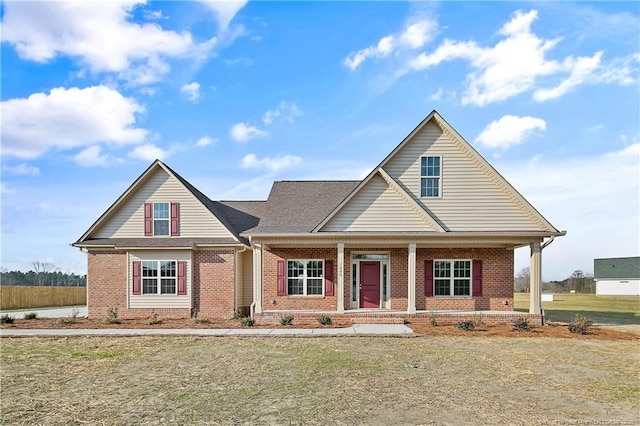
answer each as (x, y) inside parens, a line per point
(470, 199)
(160, 300)
(247, 283)
(377, 207)
(239, 288)
(195, 219)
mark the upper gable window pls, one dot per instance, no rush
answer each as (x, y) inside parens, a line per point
(160, 218)
(430, 177)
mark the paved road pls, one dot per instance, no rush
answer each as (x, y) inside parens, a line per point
(49, 312)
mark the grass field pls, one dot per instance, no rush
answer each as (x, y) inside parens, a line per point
(342, 381)
(601, 310)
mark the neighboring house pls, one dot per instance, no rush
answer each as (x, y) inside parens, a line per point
(617, 276)
(432, 228)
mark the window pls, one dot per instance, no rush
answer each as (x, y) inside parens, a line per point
(305, 277)
(430, 174)
(158, 277)
(452, 277)
(160, 218)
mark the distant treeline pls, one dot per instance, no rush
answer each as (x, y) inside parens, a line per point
(32, 278)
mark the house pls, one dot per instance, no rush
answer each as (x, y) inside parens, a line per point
(432, 228)
(617, 276)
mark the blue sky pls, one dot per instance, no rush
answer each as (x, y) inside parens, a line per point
(235, 95)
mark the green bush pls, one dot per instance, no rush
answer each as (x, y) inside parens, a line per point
(6, 319)
(466, 325)
(521, 324)
(71, 318)
(433, 318)
(30, 315)
(238, 314)
(580, 325)
(112, 316)
(286, 320)
(203, 320)
(154, 318)
(478, 319)
(247, 322)
(324, 320)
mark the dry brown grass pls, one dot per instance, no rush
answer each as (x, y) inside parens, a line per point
(365, 380)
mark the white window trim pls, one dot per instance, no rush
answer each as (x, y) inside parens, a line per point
(439, 177)
(305, 277)
(158, 279)
(452, 278)
(167, 219)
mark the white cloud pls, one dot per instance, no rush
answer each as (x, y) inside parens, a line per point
(412, 37)
(206, 141)
(148, 152)
(242, 132)
(191, 90)
(572, 197)
(69, 118)
(22, 170)
(224, 11)
(99, 34)
(518, 61)
(91, 157)
(289, 111)
(275, 164)
(149, 91)
(437, 95)
(595, 128)
(6, 189)
(581, 69)
(508, 131)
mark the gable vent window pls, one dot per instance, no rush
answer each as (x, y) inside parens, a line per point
(430, 177)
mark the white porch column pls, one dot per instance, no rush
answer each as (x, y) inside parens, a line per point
(535, 286)
(257, 277)
(340, 283)
(411, 274)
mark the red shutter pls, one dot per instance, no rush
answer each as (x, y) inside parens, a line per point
(281, 278)
(428, 278)
(182, 278)
(477, 278)
(148, 219)
(136, 277)
(328, 277)
(175, 219)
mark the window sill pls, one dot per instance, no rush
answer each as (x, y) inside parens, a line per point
(302, 296)
(453, 297)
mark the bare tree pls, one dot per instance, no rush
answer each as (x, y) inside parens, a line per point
(43, 269)
(522, 281)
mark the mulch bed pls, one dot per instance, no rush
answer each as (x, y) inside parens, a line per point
(551, 330)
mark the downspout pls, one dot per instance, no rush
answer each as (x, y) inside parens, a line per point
(252, 307)
(563, 233)
(235, 290)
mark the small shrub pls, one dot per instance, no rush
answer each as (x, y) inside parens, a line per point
(247, 322)
(203, 320)
(71, 318)
(580, 325)
(433, 319)
(30, 315)
(112, 316)
(324, 320)
(478, 319)
(6, 319)
(286, 320)
(154, 318)
(466, 325)
(238, 314)
(521, 324)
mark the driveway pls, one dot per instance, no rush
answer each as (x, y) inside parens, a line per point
(57, 312)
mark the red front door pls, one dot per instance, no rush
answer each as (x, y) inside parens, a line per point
(369, 284)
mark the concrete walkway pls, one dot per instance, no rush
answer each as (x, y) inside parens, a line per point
(356, 329)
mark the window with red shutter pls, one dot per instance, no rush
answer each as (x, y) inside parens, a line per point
(137, 288)
(281, 278)
(477, 278)
(175, 219)
(182, 278)
(328, 277)
(428, 278)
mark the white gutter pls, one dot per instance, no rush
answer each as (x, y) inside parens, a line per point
(561, 234)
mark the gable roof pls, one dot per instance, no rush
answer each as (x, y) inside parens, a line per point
(470, 152)
(298, 206)
(216, 208)
(617, 268)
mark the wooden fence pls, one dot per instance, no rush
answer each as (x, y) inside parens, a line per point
(19, 297)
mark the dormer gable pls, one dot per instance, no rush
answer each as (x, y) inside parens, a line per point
(159, 204)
